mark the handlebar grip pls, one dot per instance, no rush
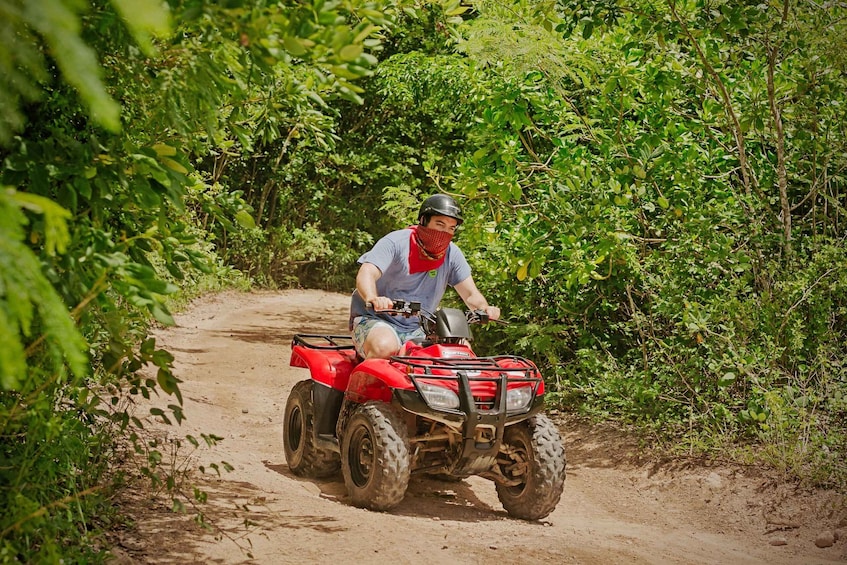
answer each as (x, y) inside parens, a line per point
(396, 304)
(482, 317)
(400, 306)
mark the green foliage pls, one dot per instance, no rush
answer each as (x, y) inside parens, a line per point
(124, 197)
(645, 204)
(399, 142)
(31, 312)
(95, 234)
(653, 191)
(32, 27)
(50, 476)
(39, 444)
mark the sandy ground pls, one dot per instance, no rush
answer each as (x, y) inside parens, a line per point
(620, 503)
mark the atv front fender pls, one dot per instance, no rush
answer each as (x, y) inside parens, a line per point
(375, 379)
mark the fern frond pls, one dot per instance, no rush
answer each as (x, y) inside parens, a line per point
(12, 358)
(27, 299)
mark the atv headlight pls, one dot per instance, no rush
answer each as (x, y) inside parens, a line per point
(518, 398)
(439, 396)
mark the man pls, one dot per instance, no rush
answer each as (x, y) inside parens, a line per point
(414, 264)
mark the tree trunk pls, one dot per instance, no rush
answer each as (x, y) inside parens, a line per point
(781, 173)
(270, 185)
(735, 125)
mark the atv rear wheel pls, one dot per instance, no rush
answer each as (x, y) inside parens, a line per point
(532, 454)
(304, 458)
(375, 456)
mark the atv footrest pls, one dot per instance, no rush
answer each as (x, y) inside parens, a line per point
(328, 442)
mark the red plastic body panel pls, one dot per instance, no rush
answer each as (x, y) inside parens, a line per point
(481, 389)
(374, 379)
(330, 367)
(446, 351)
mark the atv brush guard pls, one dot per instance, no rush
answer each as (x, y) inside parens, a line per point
(482, 384)
(480, 394)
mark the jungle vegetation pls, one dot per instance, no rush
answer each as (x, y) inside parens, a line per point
(654, 189)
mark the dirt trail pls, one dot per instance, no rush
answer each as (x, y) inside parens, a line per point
(618, 505)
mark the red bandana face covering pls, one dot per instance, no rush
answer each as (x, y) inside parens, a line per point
(427, 248)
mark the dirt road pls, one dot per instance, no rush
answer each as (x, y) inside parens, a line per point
(620, 505)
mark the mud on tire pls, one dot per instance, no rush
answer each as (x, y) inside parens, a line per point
(375, 457)
(534, 455)
(304, 458)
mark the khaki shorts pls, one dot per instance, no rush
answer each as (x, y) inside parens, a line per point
(362, 325)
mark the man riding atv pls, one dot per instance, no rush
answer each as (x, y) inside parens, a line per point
(408, 395)
(415, 264)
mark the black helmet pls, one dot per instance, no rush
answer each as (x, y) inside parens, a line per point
(440, 205)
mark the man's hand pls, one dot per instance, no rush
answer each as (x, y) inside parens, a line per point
(493, 312)
(381, 303)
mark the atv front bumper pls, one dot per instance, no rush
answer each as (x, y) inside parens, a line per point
(474, 419)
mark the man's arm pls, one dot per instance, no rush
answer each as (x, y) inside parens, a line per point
(474, 299)
(366, 287)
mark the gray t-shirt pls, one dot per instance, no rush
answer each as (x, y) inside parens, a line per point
(391, 257)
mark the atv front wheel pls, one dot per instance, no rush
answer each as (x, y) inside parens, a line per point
(304, 458)
(375, 457)
(533, 458)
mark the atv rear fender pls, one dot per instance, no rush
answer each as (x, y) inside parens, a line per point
(329, 358)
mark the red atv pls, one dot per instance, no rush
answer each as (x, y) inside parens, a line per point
(436, 408)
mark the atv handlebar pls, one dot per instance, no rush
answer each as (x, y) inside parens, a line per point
(403, 308)
(407, 309)
(481, 317)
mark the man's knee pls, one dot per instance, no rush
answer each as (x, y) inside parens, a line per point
(381, 343)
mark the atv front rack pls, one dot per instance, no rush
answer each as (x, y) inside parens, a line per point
(518, 368)
(481, 382)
